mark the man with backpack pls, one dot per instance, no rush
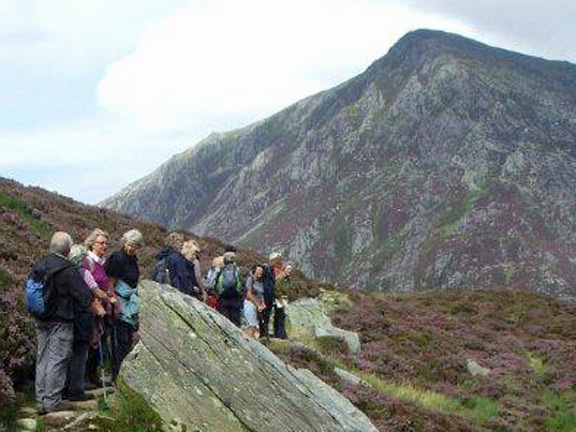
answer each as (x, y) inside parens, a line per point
(230, 290)
(55, 293)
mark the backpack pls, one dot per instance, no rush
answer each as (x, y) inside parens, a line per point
(160, 272)
(229, 283)
(41, 295)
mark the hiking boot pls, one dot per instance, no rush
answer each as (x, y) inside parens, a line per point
(64, 405)
(89, 385)
(80, 397)
(96, 382)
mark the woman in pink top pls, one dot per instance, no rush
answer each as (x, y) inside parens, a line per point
(97, 245)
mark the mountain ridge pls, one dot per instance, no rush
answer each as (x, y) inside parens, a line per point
(388, 180)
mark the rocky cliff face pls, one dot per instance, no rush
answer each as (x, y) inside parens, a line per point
(446, 164)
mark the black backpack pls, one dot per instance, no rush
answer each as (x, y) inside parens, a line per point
(229, 282)
(160, 272)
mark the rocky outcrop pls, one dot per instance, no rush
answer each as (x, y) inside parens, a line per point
(446, 164)
(199, 372)
(309, 315)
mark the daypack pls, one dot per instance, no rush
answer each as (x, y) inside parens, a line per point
(160, 272)
(229, 283)
(41, 295)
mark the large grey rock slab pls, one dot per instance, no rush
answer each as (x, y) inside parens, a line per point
(200, 372)
(309, 315)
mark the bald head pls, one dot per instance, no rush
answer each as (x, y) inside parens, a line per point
(61, 243)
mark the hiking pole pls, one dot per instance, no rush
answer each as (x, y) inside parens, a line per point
(102, 374)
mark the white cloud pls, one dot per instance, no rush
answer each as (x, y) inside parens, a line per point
(71, 37)
(88, 161)
(214, 60)
(124, 84)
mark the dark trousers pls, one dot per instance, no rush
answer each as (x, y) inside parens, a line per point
(280, 323)
(231, 310)
(265, 319)
(122, 337)
(77, 368)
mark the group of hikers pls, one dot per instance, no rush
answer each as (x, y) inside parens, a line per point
(86, 304)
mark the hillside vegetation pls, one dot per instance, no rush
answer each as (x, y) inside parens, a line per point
(416, 346)
(28, 217)
(415, 352)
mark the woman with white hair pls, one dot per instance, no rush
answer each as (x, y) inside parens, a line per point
(191, 251)
(123, 270)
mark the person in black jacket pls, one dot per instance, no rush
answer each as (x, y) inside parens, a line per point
(122, 268)
(180, 273)
(55, 333)
(269, 281)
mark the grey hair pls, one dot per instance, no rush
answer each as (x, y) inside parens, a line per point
(61, 243)
(77, 254)
(91, 239)
(132, 237)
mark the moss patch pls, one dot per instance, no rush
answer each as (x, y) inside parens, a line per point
(563, 417)
(131, 413)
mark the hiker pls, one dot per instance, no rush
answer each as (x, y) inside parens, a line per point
(105, 298)
(124, 273)
(254, 302)
(191, 251)
(172, 267)
(230, 290)
(210, 281)
(64, 294)
(283, 282)
(274, 261)
(83, 330)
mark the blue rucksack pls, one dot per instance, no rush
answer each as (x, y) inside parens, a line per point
(41, 295)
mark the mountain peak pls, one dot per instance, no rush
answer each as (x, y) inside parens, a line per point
(421, 163)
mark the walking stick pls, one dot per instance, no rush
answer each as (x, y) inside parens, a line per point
(102, 374)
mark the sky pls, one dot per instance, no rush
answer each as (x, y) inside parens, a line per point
(95, 94)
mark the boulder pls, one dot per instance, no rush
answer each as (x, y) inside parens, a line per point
(199, 372)
(347, 377)
(475, 369)
(59, 419)
(309, 315)
(27, 424)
